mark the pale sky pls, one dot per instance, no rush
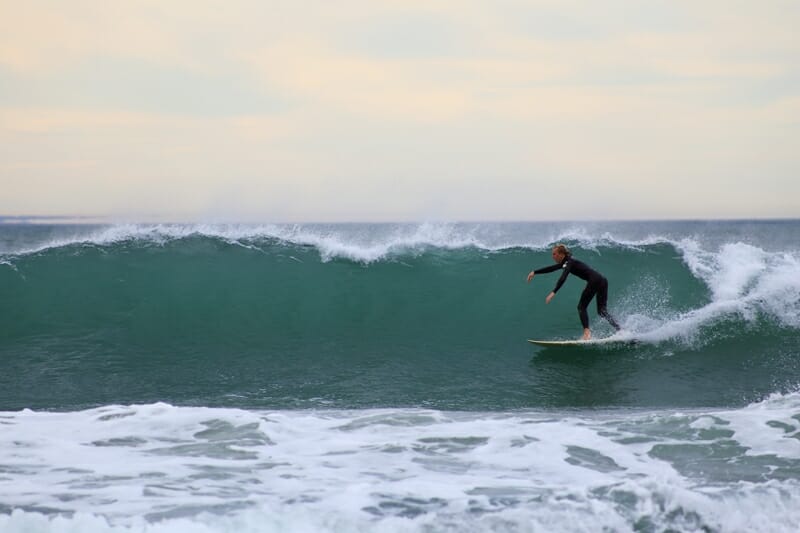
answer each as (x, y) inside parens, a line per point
(402, 110)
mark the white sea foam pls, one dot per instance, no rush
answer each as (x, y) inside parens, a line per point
(357, 242)
(163, 468)
(743, 280)
(370, 242)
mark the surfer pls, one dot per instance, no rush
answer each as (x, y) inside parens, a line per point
(596, 284)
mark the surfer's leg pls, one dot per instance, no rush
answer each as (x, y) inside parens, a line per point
(602, 301)
(583, 303)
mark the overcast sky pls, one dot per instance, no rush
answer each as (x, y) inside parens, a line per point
(400, 110)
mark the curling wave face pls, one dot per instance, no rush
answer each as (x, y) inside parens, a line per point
(383, 315)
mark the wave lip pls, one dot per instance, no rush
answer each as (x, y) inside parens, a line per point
(361, 243)
(370, 242)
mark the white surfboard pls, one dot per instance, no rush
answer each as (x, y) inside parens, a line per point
(581, 342)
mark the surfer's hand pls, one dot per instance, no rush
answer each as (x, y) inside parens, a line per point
(549, 297)
(530, 276)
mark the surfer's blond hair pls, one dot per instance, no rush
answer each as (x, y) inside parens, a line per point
(560, 248)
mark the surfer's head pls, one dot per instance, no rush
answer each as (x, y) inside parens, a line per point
(560, 252)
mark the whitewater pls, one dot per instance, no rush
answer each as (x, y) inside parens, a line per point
(164, 468)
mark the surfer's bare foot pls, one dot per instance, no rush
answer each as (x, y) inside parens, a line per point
(587, 335)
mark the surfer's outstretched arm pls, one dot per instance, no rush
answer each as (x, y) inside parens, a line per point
(544, 270)
(548, 269)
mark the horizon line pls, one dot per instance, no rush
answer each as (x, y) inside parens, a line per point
(112, 220)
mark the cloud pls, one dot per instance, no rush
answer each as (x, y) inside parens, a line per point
(399, 109)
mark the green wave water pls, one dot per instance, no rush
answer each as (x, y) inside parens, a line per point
(363, 317)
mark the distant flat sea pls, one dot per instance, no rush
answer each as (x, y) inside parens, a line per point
(377, 377)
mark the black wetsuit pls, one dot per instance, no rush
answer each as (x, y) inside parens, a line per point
(596, 284)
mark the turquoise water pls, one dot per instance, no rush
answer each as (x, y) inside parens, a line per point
(236, 378)
(252, 317)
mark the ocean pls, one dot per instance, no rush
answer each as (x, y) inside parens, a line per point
(377, 377)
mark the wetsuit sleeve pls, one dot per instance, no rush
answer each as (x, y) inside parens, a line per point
(567, 268)
(548, 269)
